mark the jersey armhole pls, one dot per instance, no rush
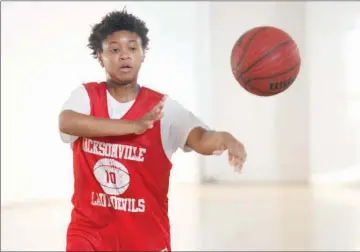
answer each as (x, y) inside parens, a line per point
(162, 145)
(90, 100)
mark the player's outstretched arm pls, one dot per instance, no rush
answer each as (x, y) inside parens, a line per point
(75, 119)
(78, 124)
(208, 142)
(187, 131)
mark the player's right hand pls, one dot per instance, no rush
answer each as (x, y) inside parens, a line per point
(148, 120)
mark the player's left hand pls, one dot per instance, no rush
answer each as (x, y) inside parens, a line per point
(236, 151)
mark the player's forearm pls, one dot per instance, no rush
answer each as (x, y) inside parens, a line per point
(212, 141)
(77, 124)
(207, 142)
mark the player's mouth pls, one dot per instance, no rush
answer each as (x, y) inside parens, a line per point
(125, 68)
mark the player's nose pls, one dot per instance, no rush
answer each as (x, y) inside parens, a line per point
(124, 56)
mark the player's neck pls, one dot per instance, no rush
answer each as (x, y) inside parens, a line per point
(123, 93)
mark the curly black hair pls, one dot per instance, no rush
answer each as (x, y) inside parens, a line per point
(117, 21)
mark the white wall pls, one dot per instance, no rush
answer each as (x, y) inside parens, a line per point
(312, 131)
(273, 129)
(333, 39)
(45, 57)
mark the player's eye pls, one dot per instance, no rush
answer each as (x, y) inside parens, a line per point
(132, 49)
(115, 50)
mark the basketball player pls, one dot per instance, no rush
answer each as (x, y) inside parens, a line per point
(123, 136)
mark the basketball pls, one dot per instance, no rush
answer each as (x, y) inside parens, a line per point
(265, 61)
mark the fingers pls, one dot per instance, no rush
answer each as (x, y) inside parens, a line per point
(149, 119)
(237, 156)
(159, 107)
(156, 113)
(238, 148)
(236, 163)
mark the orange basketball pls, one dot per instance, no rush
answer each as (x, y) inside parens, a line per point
(265, 61)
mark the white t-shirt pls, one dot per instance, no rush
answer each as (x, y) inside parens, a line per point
(176, 124)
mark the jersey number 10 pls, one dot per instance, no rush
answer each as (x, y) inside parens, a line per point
(110, 177)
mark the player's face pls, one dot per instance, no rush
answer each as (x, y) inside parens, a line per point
(122, 57)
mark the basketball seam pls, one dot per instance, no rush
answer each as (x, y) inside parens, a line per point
(238, 44)
(264, 56)
(272, 76)
(247, 46)
(261, 92)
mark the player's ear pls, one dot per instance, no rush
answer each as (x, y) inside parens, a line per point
(100, 59)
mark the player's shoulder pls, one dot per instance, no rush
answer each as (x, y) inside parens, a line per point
(152, 93)
(79, 91)
(173, 106)
(169, 102)
(82, 89)
(93, 84)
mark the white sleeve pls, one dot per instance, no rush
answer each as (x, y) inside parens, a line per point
(176, 125)
(78, 101)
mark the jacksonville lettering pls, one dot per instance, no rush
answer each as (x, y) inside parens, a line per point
(110, 150)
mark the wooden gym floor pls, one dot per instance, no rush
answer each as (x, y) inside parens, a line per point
(218, 217)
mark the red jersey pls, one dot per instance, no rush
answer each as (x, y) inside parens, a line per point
(121, 184)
